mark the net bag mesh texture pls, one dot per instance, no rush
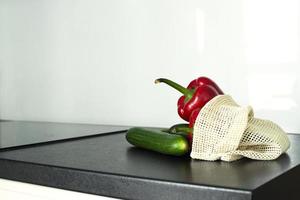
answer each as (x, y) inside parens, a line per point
(226, 131)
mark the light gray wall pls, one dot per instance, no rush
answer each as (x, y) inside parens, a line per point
(95, 61)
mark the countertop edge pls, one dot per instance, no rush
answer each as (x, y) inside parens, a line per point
(111, 185)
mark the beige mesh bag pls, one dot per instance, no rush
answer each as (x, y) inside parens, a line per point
(226, 131)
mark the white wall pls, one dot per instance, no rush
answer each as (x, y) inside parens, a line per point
(95, 61)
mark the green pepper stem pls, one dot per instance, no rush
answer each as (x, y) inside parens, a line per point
(186, 92)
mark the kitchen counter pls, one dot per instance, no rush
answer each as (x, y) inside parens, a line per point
(105, 164)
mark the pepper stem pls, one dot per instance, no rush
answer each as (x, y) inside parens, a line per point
(186, 92)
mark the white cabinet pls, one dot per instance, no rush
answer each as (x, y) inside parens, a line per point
(12, 190)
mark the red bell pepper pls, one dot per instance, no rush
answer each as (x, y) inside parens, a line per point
(204, 81)
(196, 83)
(195, 96)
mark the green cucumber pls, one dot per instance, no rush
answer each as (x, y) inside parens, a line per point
(157, 140)
(184, 134)
(180, 128)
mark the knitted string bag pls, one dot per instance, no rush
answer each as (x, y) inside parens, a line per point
(226, 131)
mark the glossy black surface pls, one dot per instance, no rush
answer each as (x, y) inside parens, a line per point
(19, 133)
(108, 165)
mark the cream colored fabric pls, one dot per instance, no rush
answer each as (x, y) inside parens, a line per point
(226, 131)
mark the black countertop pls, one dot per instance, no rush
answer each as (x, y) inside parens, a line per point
(107, 165)
(21, 133)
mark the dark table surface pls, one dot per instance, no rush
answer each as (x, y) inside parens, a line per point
(21, 133)
(107, 165)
